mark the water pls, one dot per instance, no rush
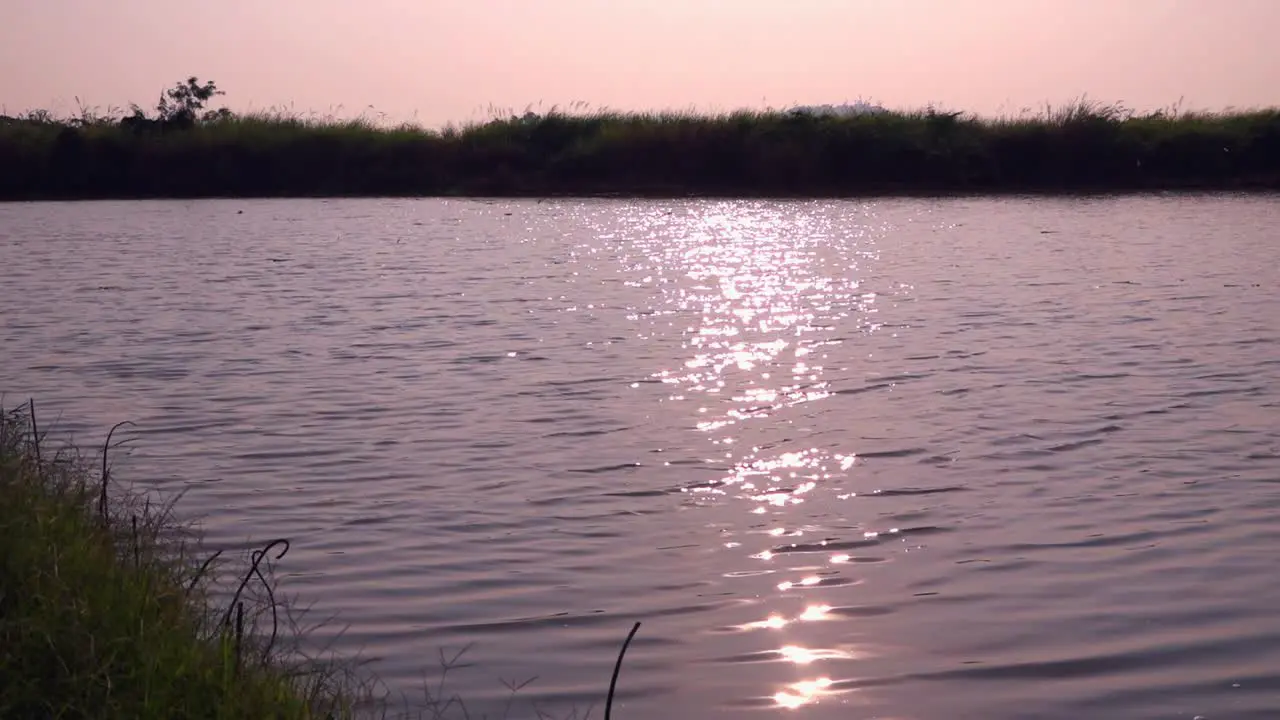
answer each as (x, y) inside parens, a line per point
(1013, 458)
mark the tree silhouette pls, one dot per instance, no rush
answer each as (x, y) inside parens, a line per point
(183, 103)
(180, 108)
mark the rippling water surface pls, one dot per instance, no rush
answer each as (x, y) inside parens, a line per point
(897, 459)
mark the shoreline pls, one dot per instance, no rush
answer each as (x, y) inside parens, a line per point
(1244, 188)
(107, 604)
(1084, 149)
(113, 608)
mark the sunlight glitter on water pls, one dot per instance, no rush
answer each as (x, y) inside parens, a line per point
(767, 286)
(802, 693)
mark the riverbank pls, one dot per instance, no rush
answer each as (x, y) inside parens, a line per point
(105, 609)
(1082, 148)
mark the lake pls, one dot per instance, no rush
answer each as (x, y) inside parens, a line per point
(909, 459)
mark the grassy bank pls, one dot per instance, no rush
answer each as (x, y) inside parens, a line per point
(105, 609)
(1084, 147)
(111, 610)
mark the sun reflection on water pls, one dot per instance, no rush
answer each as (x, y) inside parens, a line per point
(772, 294)
(802, 693)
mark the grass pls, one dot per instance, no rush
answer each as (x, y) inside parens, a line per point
(1084, 146)
(105, 611)
(109, 609)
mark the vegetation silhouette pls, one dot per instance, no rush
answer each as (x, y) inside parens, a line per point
(187, 150)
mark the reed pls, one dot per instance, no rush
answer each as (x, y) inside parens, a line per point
(106, 609)
(111, 610)
(1080, 147)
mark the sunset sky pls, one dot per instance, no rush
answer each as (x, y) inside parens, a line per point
(436, 61)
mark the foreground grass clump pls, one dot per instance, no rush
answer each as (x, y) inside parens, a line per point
(1082, 147)
(105, 611)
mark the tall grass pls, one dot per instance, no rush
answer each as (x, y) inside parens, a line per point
(105, 611)
(111, 610)
(1084, 146)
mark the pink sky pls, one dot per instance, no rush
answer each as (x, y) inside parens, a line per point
(437, 61)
